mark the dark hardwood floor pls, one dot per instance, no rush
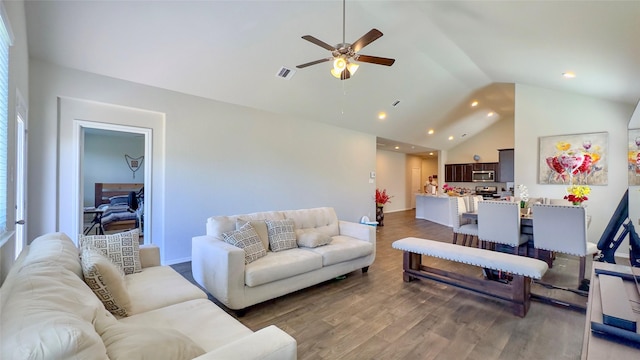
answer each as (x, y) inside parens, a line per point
(378, 316)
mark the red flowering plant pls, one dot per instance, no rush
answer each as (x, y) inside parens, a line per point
(382, 197)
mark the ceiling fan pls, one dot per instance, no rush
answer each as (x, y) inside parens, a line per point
(344, 53)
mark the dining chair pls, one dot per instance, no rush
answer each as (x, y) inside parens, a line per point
(460, 225)
(550, 201)
(499, 222)
(563, 229)
(474, 201)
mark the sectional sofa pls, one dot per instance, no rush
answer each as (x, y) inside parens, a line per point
(49, 311)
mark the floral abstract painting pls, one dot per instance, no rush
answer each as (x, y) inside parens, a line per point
(634, 157)
(574, 159)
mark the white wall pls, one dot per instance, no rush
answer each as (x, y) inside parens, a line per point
(391, 174)
(543, 112)
(500, 135)
(104, 161)
(18, 81)
(220, 159)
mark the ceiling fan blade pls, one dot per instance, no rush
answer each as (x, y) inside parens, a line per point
(313, 63)
(319, 42)
(366, 39)
(374, 60)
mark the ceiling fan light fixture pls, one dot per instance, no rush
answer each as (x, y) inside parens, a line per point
(352, 67)
(339, 64)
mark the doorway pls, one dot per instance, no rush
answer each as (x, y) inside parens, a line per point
(76, 117)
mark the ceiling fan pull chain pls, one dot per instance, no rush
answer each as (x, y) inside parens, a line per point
(343, 21)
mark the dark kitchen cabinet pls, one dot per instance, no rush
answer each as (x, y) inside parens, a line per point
(458, 172)
(506, 159)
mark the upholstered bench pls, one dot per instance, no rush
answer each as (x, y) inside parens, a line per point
(515, 289)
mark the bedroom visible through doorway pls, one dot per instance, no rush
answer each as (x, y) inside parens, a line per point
(113, 181)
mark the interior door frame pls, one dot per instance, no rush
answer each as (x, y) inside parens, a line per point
(75, 113)
(78, 138)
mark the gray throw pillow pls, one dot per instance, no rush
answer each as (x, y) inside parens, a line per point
(282, 235)
(247, 239)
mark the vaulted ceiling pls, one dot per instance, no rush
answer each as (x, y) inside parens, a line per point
(448, 53)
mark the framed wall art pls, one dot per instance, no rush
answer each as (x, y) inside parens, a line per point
(634, 157)
(574, 159)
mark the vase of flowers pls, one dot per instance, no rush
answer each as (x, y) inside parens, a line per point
(381, 199)
(524, 199)
(577, 194)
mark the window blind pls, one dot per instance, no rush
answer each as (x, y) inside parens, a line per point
(5, 42)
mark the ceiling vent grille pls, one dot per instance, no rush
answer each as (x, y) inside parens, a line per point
(285, 73)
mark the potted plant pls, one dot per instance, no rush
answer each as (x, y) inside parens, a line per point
(381, 199)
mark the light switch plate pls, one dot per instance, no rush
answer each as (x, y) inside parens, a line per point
(372, 175)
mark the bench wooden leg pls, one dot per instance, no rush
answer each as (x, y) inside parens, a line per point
(410, 261)
(455, 238)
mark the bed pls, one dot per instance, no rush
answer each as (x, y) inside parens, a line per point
(113, 199)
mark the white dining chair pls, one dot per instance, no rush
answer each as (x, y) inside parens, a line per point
(499, 222)
(474, 201)
(462, 226)
(563, 229)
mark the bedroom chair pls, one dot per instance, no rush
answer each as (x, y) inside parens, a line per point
(563, 229)
(499, 222)
(460, 225)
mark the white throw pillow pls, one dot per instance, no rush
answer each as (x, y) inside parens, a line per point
(261, 228)
(106, 280)
(122, 248)
(125, 341)
(311, 238)
(282, 235)
(248, 240)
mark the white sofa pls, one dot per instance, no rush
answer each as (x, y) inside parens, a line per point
(220, 267)
(48, 312)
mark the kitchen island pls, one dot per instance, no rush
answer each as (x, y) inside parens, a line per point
(436, 208)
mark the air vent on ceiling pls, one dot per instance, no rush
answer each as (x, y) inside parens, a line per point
(285, 73)
(395, 103)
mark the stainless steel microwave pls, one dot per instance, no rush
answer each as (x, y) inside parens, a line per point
(483, 176)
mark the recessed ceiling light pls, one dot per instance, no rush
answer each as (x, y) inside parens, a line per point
(397, 147)
(474, 103)
(431, 153)
(382, 115)
(451, 137)
(568, 75)
(430, 132)
(491, 114)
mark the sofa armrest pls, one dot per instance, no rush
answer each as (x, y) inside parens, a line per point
(149, 255)
(358, 231)
(269, 343)
(219, 268)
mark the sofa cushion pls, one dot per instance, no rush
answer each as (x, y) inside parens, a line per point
(122, 248)
(200, 320)
(311, 238)
(127, 341)
(56, 248)
(260, 227)
(216, 225)
(106, 280)
(323, 219)
(343, 248)
(48, 313)
(282, 235)
(248, 240)
(281, 265)
(148, 289)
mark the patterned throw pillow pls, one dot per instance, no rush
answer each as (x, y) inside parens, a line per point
(106, 280)
(121, 248)
(282, 235)
(247, 239)
(260, 227)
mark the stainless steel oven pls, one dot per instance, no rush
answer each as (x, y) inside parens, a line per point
(483, 176)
